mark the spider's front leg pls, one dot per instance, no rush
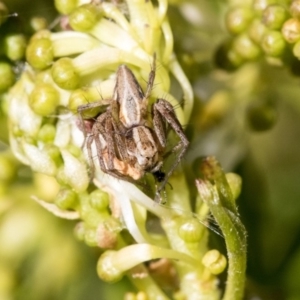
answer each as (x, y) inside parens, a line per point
(81, 109)
(164, 111)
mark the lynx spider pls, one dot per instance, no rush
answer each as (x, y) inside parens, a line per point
(127, 145)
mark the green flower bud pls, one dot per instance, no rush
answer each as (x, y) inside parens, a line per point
(39, 53)
(7, 76)
(15, 46)
(54, 153)
(90, 237)
(260, 5)
(256, 31)
(274, 16)
(47, 133)
(80, 231)
(295, 9)
(99, 200)
(106, 268)
(77, 98)
(66, 199)
(44, 99)
(273, 43)
(38, 23)
(214, 261)
(261, 116)
(237, 19)
(291, 30)
(65, 6)
(235, 58)
(191, 231)
(235, 183)
(64, 74)
(245, 47)
(85, 17)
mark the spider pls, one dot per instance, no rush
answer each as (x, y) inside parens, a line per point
(128, 144)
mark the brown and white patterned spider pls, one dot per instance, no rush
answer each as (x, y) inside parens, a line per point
(127, 143)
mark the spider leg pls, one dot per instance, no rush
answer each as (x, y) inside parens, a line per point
(166, 112)
(81, 109)
(151, 78)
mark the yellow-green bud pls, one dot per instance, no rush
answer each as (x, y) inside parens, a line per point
(44, 99)
(90, 237)
(64, 74)
(7, 76)
(15, 46)
(54, 153)
(237, 19)
(214, 261)
(260, 5)
(295, 9)
(235, 183)
(65, 6)
(291, 30)
(274, 16)
(46, 133)
(66, 199)
(245, 47)
(99, 200)
(106, 269)
(39, 53)
(273, 43)
(38, 23)
(80, 231)
(85, 17)
(77, 98)
(191, 231)
(256, 31)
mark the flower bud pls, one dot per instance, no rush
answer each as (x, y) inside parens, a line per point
(291, 30)
(245, 47)
(235, 183)
(191, 231)
(260, 5)
(46, 133)
(39, 53)
(256, 31)
(44, 99)
(65, 6)
(106, 268)
(38, 23)
(15, 45)
(64, 74)
(214, 261)
(66, 199)
(237, 19)
(274, 16)
(273, 43)
(99, 200)
(85, 17)
(295, 9)
(7, 76)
